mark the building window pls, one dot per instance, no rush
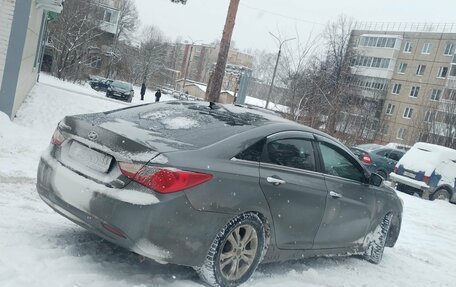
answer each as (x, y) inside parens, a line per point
(95, 62)
(414, 92)
(397, 89)
(371, 62)
(408, 112)
(427, 48)
(436, 94)
(449, 49)
(443, 71)
(384, 129)
(401, 133)
(428, 116)
(408, 47)
(379, 42)
(402, 68)
(390, 109)
(371, 83)
(420, 70)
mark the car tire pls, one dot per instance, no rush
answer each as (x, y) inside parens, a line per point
(382, 174)
(377, 241)
(228, 265)
(441, 194)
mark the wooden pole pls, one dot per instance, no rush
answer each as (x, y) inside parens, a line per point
(215, 84)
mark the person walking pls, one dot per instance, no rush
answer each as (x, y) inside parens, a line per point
(143, 91)
(158, 95)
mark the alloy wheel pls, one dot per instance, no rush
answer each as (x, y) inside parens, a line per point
(239, 252)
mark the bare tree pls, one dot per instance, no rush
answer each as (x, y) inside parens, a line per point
(151, 54)
(337, 68)
(126, 25)
(71, 35)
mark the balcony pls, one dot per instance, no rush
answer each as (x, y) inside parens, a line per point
(50, 5)
(451, 82)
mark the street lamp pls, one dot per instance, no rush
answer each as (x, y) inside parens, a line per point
(275, 68)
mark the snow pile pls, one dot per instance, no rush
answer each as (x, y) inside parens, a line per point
(17, 149)
(41, 248)
(85, 89)
(179, 123)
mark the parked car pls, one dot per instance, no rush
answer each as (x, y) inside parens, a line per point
(428, 170)
(377, 158)
(398, 146)
(120, 90)
(100, 85)
(220, 188)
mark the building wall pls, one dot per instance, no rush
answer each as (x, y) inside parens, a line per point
(6, 19)
(202, 60)
(29, 62)
(426, 82)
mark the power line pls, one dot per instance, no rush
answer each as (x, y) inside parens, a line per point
(281, 15)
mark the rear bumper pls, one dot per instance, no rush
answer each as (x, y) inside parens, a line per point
(168, 231)
(415, 185)
(118, 96)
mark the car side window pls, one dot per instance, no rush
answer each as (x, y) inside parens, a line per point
(252, 153)
(383, 152)
(296, 153)
(338, 163)
(396, 155)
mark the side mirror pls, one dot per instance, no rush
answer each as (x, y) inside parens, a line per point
(375, 179)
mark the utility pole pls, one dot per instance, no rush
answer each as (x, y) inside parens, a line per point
(276, 65)
(188, 66)
(215, 83)
(188, 62)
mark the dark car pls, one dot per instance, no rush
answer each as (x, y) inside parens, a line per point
(378, 158)
(220, 188)
(120, 90)
(100, 85)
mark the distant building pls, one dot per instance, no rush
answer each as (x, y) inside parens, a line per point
(199, 61)
(198, 90)
(413, 69)
(22, 24)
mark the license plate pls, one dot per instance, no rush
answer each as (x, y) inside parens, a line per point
(409, 174)
(91, 158)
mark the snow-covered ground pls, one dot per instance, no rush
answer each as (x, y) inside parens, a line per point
(41, 248)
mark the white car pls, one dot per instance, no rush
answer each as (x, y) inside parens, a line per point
(429, 170)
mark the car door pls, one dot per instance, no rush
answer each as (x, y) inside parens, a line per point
(295, 191)
(350, 203)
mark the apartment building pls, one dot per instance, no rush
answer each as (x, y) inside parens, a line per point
(414, 67)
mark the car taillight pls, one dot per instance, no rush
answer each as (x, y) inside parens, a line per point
(426, 179)
(395, 169)
(366, 158)
(57, 137)
(163, 179)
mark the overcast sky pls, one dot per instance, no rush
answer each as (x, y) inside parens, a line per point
(204, 19)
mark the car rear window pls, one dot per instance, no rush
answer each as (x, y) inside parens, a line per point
(194, 124)
(122, 85)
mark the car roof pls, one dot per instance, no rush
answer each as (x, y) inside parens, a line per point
(369, 147)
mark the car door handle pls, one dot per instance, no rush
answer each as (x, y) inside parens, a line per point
(335, 194)
(275, 181)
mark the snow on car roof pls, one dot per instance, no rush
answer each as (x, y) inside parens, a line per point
(448, 152)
